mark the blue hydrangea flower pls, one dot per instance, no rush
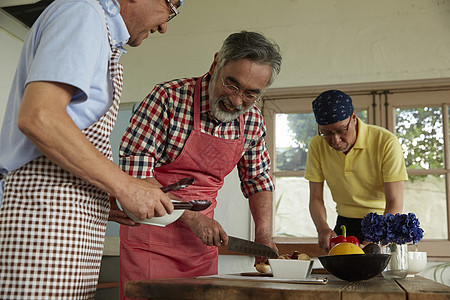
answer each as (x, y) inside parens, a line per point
(373, 227)
(398, 228)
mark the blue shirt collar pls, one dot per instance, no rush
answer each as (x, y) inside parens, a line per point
(117, 27)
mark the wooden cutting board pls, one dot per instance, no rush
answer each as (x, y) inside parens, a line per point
(310, 280)
(269, 274)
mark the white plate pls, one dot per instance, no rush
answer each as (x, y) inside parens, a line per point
(156, 221)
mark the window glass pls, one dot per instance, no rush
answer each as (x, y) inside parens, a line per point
(420, 131)
(417, 119)
(294, 131)
(362, 114)
(431, 213)
(292, 218)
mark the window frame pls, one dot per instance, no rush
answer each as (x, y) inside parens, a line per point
(380, 100)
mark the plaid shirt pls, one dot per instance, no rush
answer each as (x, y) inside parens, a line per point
(159, 128)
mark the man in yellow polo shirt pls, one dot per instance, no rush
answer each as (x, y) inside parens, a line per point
(363, 165)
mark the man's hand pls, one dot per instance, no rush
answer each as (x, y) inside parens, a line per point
(143, 199)
(266, 240)
(209, 231)
(325, 237)
(117, 215)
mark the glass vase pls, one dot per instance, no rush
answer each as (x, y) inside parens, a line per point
(397, 267)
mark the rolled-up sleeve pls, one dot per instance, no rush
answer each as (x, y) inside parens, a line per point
(254, 165)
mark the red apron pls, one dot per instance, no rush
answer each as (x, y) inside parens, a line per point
(174, 251)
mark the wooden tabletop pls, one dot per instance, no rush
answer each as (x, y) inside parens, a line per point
(410, 288)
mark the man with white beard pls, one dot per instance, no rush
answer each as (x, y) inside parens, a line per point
(201, 128)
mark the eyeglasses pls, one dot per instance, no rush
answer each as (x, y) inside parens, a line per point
(247, 96)
(339, 132)
(174, 9)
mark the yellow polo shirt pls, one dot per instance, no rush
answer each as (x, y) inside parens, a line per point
(356, 180)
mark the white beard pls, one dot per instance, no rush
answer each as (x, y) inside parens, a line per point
(214, 104)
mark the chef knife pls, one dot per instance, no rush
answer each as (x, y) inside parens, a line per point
(248, 247)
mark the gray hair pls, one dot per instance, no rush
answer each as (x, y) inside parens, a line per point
(253, 46)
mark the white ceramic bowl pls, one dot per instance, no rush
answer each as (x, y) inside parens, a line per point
(417, 262)
(291, 268)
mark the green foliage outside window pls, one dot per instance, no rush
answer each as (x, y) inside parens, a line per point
(420, 132)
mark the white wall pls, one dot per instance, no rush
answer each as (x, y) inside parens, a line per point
(322, 42)
(9, 56)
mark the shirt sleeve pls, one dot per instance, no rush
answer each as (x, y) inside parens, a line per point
(313, 170)
(394, 168)
(67, 46)
(143, 141)
(254, 166)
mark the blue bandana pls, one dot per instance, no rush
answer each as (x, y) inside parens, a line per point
(331, 107)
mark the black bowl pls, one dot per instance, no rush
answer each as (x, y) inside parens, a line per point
(355, 267)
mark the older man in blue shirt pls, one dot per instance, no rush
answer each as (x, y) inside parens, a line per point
(55, 156)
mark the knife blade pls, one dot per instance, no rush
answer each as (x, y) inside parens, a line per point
(243, 246)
